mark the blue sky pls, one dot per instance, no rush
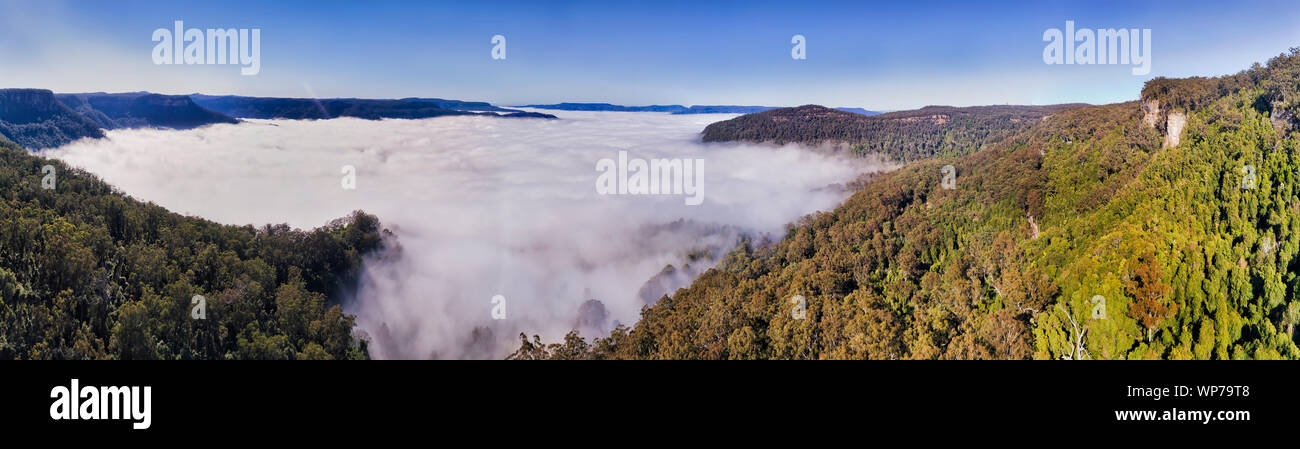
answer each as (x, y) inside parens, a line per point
(877, 55)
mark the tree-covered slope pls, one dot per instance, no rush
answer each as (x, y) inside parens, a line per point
(1089, 235)
(88, 273)
(903, 136)
(34, 119)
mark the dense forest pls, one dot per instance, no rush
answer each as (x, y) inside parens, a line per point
(1087, 235)
(89, 273)
(903, 136)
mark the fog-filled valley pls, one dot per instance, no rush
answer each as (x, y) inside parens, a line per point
(481, 207)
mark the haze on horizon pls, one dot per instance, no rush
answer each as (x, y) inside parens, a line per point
(883, 56)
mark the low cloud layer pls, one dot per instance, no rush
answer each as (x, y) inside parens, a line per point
(481, 207)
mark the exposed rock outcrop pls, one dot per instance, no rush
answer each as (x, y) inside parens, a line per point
(593, 318)
(1151, 108)
(1170, 123)
(1174, 128)
(34, 119)
(142, 110)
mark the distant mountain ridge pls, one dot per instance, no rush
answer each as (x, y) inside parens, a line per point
(478, 106)
(38, 118)
(902, 135)
(142, 109)
(34, 119)
(674, 108)
(312, 108)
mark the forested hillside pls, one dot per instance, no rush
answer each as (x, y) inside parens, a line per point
(88, 273)
(1089, 235)
(904, 136)
(34, 119)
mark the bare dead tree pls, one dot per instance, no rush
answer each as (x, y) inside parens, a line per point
(1078, 352)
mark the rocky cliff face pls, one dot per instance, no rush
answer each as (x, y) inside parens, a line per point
(1151, 112)
(142, 110)
(1174, 128)
(1170, 123)
(17, 103)
(34, 119)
